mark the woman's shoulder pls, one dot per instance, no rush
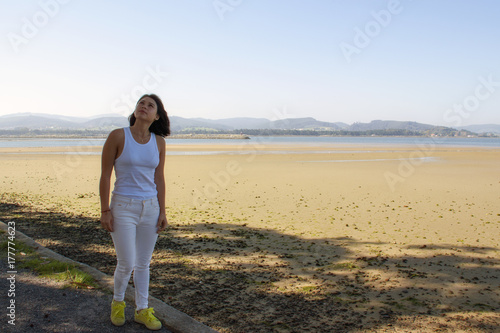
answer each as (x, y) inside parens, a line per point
(117, 132)
(117, 135)
(160, 141)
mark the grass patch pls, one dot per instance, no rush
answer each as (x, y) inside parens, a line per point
(309, 289)
(483, 307)
(344, 265)
(29, 259)
(75, 277)
(344, 301)
(395, 304)
(19, 246)
(257, 283)
(414, 301)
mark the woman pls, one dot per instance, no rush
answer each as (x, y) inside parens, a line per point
(137, 211)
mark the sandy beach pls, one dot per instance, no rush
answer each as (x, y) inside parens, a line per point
(276, 238)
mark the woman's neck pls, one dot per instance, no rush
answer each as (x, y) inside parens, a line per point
(140, 129)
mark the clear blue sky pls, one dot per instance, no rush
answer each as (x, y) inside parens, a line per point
(429, 61)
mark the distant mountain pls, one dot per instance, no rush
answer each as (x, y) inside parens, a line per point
(390, 124)
(47, 121)
(485, 128)
(342, 126)
(236, 123)
(50, 116)
(303, 123)
(178, 124)
(105, 122)
(258, 123)
(33, 121)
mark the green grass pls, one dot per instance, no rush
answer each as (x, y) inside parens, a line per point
(75, 278)
(309, 289)
(344, 265)
(395, 304)
(19, 246)
(483, 307)
(414, 301)
(27, 258)
(345, 301)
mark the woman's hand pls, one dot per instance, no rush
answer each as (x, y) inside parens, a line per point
(107, 221)
(162, 223)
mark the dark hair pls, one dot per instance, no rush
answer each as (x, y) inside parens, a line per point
(161, 126)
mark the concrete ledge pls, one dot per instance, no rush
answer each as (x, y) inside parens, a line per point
(173, 319)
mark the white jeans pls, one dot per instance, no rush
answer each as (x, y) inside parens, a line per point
(134, 235)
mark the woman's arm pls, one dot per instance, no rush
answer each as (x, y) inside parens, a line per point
(160, 184)
(109, 154)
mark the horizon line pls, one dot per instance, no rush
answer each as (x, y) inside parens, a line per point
(122, 116)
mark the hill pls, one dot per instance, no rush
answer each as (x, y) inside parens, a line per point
(40, 121)
(45, 121)
(390, 124)
(484, 128)
(24, 123)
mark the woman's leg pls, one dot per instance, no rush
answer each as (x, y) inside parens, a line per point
(145, 241)
(125, 219)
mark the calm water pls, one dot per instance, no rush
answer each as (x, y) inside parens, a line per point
(284, 141)
(380, 141)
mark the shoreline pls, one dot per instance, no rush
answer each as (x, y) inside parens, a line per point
(104, 136)
(245, 136)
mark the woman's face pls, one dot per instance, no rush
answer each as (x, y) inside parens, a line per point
(146, 109)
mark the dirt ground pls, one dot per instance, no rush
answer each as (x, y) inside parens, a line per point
(344, 239)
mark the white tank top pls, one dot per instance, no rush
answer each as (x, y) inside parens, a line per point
(135, 168)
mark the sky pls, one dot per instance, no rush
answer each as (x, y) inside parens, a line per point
(430, 61)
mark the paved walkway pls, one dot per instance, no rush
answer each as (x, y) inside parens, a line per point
(44, 305)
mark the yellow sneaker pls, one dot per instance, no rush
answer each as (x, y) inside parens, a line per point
(146, 317)
(118, 313)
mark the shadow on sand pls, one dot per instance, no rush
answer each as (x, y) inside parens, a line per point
(235, 278)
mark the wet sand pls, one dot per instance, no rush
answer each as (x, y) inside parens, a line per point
(321, 239)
